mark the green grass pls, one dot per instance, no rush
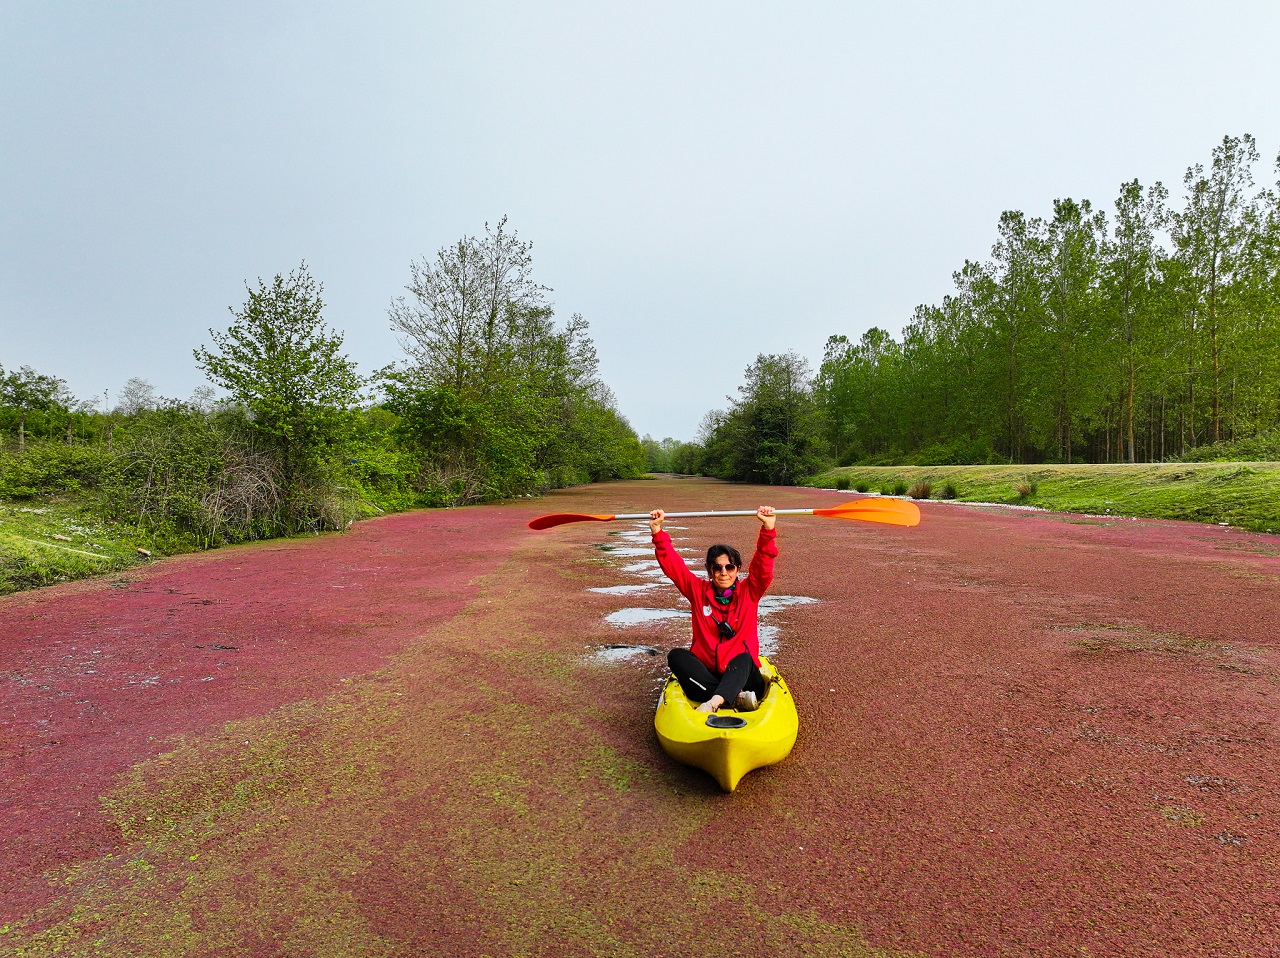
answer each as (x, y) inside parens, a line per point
(1244, 494)
(46, 541)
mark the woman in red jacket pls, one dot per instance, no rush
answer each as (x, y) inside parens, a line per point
(723, 663)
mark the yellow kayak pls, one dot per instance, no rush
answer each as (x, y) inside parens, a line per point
(728, 743)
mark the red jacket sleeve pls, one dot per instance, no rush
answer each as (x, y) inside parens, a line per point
(674, 567)
(760, 571)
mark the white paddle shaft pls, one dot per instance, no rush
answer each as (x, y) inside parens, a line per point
(744, 512)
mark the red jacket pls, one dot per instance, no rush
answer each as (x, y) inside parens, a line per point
(714, 652)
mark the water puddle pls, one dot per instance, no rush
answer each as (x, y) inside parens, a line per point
(625, 551)
(769, 640)
(625, 589)
(772, 603)
(626, 617)
(614, 654)
(649, 568)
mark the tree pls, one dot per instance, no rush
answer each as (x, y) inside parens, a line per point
(771, 432)
(1131, 272)
(283, 365)
(136, 396)
(1210, 239)
(499, 398)
(465, 315)
(26, 391)
(1071, 330)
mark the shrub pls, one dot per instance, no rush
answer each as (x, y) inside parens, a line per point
(1025, 489)
(899, 488)
(842, 482)
(861, 487)
(948, 491)
(47, 467)
(919, 490)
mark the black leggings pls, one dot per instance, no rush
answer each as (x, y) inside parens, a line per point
(700, 683)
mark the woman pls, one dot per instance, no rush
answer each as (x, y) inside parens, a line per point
(723, 663)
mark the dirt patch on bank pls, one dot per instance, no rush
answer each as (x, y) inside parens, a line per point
(1021, 734)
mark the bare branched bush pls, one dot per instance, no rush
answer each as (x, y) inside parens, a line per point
(919, 490)
(452, 481)
(245, 501)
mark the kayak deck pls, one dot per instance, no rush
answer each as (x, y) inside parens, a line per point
(727, 744)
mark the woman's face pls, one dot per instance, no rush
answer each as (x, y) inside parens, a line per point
(723, 572)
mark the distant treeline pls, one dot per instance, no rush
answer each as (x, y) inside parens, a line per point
(1145, 335)
(493, 399)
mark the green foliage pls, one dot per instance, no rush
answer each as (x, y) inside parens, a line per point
(771, 433)
(948, 491)
(842, 483)
(1240, 495)
(57, 541)
(1262, 447)
(44, 468)
(671, 455)
(187, 477)
(496, 399)
(1082, 336)
(919, 490)
(284, 367)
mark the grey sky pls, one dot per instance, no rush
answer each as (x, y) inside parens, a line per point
(702, 181)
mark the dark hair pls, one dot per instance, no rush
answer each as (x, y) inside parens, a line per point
(716, 551)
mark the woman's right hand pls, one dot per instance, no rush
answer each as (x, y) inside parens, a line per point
(655, 521)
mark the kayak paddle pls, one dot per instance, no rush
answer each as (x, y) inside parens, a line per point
(893, 512)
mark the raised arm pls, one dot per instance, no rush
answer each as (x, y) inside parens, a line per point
(668, 559)
(760, 571)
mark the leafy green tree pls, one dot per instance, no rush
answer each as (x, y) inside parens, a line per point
(1072, 339)
(470, 307)
(1071, 370)
(25, 392)
(1210, 240)
(771, 433)
(136, 396)
(499, 398)
(1132, 262)
(284, 366)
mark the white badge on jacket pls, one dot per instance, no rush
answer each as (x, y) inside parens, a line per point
(706, 610)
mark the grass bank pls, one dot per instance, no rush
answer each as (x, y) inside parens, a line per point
(44, 541)
(1244, 494)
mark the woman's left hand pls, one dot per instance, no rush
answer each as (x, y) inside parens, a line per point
(766, 516)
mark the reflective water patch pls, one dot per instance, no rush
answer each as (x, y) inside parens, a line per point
(768, 640)
(772, 603)
(644, 568)
(613, 654)
(625, 589)
(625, 617)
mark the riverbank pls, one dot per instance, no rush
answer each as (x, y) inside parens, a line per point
(1242, 494)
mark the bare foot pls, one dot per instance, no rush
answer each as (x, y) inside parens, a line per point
(711, 704)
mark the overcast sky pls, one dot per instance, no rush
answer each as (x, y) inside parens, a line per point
(704, 182)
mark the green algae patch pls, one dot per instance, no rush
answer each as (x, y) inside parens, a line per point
(201, 820)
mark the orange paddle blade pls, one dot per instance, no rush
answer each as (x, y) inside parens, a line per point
(893, 512)
(560, 518)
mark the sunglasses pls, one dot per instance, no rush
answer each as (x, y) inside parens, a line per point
(720, 567)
